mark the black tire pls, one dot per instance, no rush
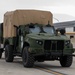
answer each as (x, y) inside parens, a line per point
(28, 59)
(66, 61)
(9, 53)
(1, 54)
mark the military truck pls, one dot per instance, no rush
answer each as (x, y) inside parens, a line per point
(30, 34)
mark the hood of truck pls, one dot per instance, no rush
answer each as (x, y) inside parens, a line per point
(45, 36)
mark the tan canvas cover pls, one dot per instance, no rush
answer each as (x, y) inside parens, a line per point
(23, 17)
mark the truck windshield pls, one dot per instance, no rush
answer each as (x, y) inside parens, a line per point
(44, 29)
(49, 30)
(36, 30)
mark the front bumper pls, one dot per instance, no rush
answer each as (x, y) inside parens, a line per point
(52, 53)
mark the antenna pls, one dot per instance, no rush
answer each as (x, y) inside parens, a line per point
(48, 24)
(56, 19)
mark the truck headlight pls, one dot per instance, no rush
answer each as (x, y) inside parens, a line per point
(39, 42)
(67, 42)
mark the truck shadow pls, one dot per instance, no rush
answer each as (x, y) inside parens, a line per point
(51, 65)
(38, 64)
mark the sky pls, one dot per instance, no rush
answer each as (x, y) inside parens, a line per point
(66, 7)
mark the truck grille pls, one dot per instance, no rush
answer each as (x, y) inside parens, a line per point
(54, 45)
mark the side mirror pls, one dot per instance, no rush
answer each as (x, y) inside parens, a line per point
(62, 31)
(71, 36)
